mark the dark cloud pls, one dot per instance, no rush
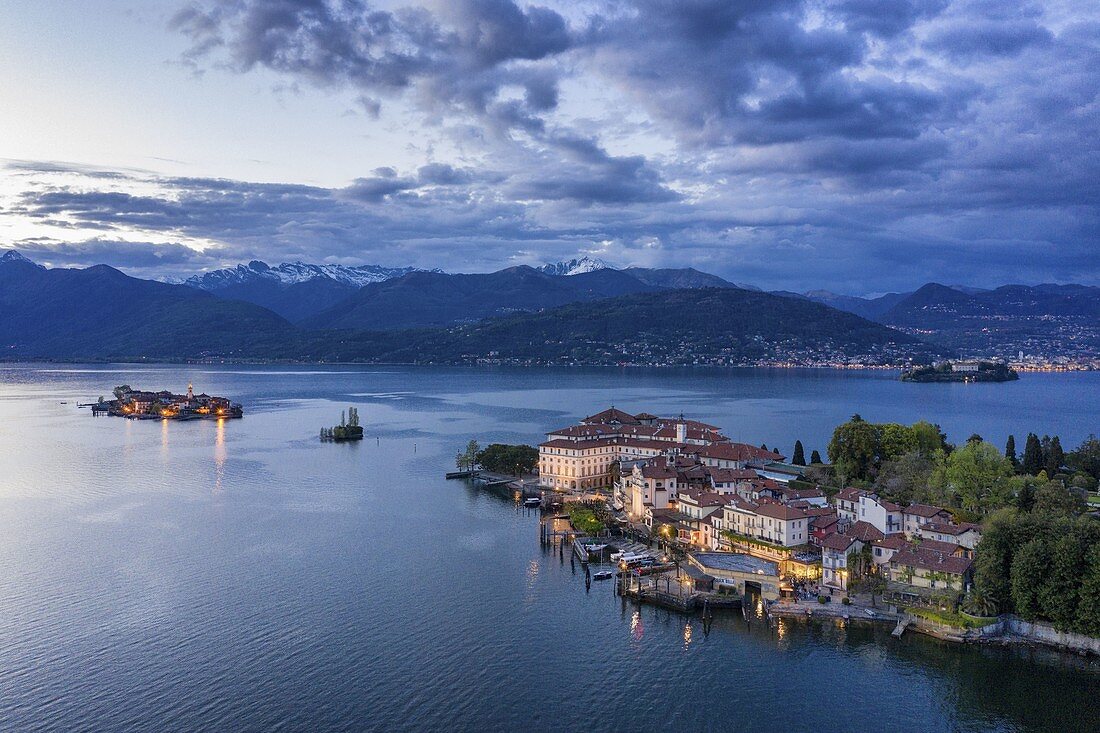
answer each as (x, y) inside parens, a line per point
(860, 145)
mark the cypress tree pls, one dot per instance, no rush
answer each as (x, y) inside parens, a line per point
(815, 457)
(799, 458)
(1055, 457)
(763, 446)
(1033, 455)
(1010, 451)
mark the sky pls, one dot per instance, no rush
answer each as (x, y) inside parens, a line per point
(859, 146)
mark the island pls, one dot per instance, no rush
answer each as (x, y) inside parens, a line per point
(348, 429)
(961, 371)
(139, 404)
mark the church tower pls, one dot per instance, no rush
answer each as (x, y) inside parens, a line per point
(190, 392)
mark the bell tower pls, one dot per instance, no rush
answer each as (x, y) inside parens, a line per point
(190, 392)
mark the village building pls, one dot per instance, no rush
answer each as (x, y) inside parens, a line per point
(916, 515)
(964, 534)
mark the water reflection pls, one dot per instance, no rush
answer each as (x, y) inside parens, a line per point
(687, 634)
(637, 628)
(219, 455)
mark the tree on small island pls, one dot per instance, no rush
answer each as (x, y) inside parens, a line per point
(467, 459)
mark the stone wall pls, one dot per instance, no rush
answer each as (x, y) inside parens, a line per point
(1046, 634)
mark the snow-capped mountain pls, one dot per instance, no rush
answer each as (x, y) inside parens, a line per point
(574, 266)
(12, 256)
(291, 273)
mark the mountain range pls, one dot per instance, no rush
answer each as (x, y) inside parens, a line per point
(268, 311)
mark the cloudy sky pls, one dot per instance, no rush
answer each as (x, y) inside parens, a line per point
(856, 145)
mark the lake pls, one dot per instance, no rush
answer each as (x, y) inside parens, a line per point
(245, 576)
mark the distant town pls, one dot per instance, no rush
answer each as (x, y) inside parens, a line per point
(139, 404)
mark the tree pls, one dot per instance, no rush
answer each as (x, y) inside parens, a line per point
(1033, 455)
(929, 439)
(854, 448)
(974, 438)
(1088, 603)
(1029, 567)
(799, 457)
(1086, 457)
(977, 476)
(763, 446)
(906, 479)
(980, 604)
(815, 458)
(1025, 496)
(1010, 451)
(1054, 498)
(468, 458)
(993, 563)
(512, 459)
(1054, 457)
(1060, 593)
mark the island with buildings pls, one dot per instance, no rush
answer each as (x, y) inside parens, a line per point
(139, 404)
(686, 518)
(962, 371)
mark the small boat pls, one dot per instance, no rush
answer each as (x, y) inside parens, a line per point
(594, 548)
(532, 501)
(603, 575)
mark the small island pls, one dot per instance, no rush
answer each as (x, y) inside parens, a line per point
(138, 404)
(348, 429)
(961, 371)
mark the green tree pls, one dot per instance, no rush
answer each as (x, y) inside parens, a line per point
(906, 479)
(929, 439)
(1029, 567)
(993, 563)
(854, 448)
(799, 457)
(466, 459)
(895, 440)
(1088, 604)
(1062, 587)
(1054, 457)
(1010, 451)
(1025, 496)
(974, 438)
(1054, 498)
(815, 458)
(1086, 457)
(977, 476)
(512, 459)
(1033, 455)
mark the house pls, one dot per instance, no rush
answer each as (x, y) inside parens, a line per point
(924, 569)
(782, 525)
(915, 515)
(835, 550)
(847, 503)
(884, 549)
(697, 508)
(884, 515)
(823, 525)
(963, 534)
(650, 484)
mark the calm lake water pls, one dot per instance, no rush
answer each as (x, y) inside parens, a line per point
(244, 576)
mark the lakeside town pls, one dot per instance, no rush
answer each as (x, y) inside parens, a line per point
(137, 404)
(684, 517)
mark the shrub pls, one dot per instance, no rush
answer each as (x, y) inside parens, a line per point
(846, 601)
(821, 599)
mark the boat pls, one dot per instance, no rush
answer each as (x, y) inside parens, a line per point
(532, 501)
(603, 575)
(594, 548)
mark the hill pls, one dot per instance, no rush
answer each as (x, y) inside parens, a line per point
(99, 312)
(431, 299)
(1047, 320)
(696, 326)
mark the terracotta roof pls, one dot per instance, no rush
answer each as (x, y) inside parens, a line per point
(838, 541)
(851, 494)
(950, 528)
(924, 510)
(925, 559)
(735, 452)
(893, 542)
(611, 415)
(780, 511)
(865, 532)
